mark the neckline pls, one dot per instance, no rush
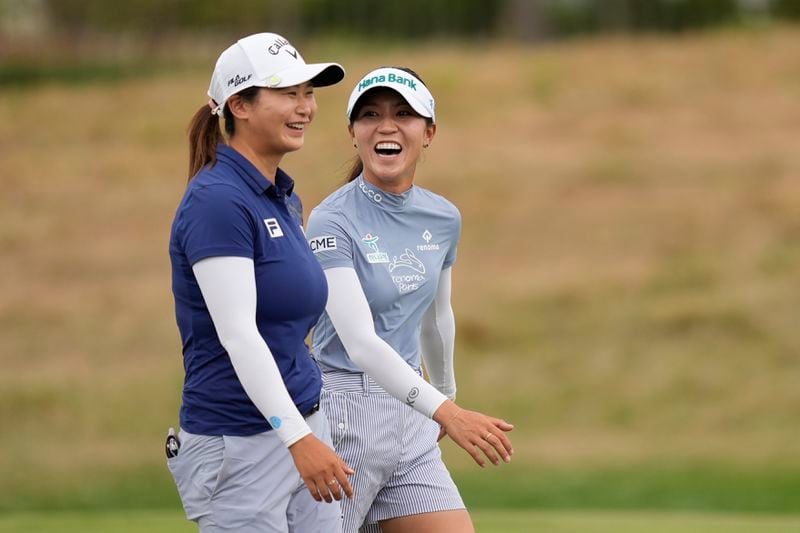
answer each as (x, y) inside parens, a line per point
(384, 199)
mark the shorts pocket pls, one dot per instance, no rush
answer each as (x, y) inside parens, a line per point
(335, 406)
(195, 471)
(235, 497)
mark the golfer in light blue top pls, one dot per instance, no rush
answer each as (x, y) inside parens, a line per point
(387, 248)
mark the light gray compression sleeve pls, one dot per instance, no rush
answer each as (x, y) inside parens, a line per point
(351, 316)
(438, 338)
(229, 290)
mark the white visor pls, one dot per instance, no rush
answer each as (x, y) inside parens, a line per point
(406, 84)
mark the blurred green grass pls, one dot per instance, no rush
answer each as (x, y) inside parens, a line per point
(486, 521)
(625, 289)
(662, 487)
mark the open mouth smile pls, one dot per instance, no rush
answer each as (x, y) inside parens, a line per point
(388, 149)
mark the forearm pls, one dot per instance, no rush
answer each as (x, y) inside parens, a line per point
(228, 288)
(437, 339)
(350, 314)
(261, 379)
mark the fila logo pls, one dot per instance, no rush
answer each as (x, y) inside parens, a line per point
(322, 244)
(273, 227)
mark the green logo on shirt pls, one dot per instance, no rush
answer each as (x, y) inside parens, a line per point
(377, 256)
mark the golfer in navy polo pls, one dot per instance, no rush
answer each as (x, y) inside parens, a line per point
(254, 452)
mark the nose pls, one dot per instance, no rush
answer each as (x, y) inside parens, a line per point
(387, 124)
(306, 105)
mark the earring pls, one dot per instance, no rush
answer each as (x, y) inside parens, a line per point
(426, 145)
(355, 145)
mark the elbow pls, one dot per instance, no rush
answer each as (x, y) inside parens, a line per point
(359, 350)
(235, 343)
(232, 345)
(358, 356)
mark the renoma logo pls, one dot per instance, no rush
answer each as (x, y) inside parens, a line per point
(427, 247)
(376, 256)
(407, 282)
(409, 260)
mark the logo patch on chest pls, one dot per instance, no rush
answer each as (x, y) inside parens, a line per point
(376, 256)
(427, 247)
(273, 228)
(408, 260)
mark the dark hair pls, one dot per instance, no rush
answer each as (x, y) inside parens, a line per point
(205, 134)
(357, 167)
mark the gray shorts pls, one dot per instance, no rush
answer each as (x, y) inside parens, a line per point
(249, 484)
(392, 448)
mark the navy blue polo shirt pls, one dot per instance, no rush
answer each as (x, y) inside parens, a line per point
(231, 209)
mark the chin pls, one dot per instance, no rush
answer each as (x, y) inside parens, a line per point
(385, 174)
(294, 146)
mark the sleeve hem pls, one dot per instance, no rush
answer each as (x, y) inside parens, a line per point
(219, 251)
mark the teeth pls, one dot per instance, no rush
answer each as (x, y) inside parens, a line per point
(297, 125)
(388, 146)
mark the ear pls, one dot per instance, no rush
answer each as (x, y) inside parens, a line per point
(351, 132)
(238, 107)
(430, 133)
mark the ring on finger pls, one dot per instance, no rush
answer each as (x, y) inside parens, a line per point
(486, 437)
(332, 482)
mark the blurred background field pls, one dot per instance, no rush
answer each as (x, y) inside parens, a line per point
(627, 284)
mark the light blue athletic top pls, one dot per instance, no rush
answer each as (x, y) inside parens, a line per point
(398, 246)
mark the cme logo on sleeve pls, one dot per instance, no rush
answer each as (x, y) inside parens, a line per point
(322, 244)
(273, 227)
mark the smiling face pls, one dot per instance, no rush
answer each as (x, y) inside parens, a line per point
(390, 137)
(274, 123)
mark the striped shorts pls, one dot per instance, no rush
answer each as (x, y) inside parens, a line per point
(392, 448)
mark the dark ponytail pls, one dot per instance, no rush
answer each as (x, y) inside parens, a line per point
(205, 134)
(358, 166)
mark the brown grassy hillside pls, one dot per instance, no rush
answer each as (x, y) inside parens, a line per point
(627, 283)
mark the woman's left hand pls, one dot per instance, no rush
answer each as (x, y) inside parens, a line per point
(475, 431)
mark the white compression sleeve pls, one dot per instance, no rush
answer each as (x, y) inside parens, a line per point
(351, 316)
(438, 338)
(229, 290)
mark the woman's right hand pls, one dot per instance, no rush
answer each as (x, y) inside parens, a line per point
(322, 470)
(475, 431)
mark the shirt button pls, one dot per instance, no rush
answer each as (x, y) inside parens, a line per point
(341, 425)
